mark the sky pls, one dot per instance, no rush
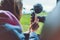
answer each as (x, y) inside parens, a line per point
(48, 5)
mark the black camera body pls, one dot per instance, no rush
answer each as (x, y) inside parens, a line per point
(36, 10)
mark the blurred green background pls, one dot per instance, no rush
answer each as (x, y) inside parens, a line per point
(25, 21)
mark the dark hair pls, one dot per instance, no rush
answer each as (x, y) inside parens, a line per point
(12, 6)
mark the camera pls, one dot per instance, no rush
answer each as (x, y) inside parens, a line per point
(36, 10)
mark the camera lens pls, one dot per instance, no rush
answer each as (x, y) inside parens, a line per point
(38, 8)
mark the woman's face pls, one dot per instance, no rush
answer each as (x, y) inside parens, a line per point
(20, 12)
(20, 5)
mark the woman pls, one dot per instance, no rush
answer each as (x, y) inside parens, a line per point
(14, 6)
(10, 13)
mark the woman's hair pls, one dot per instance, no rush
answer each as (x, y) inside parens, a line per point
(14, 6)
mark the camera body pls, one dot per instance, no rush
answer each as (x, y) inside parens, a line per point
(36, 10)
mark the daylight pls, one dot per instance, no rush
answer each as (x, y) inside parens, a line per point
(48, 5)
